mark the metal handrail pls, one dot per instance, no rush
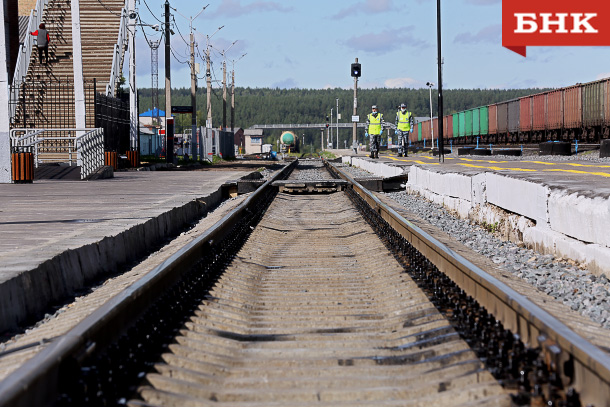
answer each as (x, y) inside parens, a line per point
(89, 146)
(24, 55)
(118, 53)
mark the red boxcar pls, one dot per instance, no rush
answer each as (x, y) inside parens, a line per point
(572, 107)
(414, 134)
(425, 132)
(493, 119)
(502, 115)
(539, 111)
(435, 130)
(554, 109)
(525, 112)
(448, 126)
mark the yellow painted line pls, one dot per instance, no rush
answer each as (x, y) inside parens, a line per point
(409, 160)
(587, 165)
(483, 161)
(601, 174)
(498, 168)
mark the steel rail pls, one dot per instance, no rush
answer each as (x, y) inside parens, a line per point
(36, 382)
(590, 375)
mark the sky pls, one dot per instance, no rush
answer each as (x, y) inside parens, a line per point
(311, 44)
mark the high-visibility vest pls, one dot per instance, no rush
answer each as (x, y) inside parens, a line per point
(404, 120)
(375, 123)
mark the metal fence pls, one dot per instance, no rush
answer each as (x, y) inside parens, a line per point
(216, 142)
(44, 104)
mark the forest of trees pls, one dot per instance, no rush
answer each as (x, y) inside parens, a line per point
(274, 106)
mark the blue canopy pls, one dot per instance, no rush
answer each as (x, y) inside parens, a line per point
(156, 112)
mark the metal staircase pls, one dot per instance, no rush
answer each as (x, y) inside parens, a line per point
(45, 98)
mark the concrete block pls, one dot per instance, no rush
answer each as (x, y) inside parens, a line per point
(378, 168)
(478, 190)
(598, 259)
(521, 197)
(580, 217)
(542, 239)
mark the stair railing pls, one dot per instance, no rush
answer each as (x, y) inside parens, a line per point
(86, 150)
(25, 54)
(119, 52)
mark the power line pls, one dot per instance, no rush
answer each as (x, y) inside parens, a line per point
(153, 14)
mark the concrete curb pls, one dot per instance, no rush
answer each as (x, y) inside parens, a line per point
(552, 222)
(55, 279)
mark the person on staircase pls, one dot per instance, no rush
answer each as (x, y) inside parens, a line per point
(42, 42)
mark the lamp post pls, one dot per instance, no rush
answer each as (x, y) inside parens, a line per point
(441, 146)
(208, 75)
(430, 85)
(233, 93)
(337, 123)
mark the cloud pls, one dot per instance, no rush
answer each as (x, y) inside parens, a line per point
(366, 7)
(603, 75)
(386, 41)
(403, 83)
(491, 33)
(234, 8)
(288, 83)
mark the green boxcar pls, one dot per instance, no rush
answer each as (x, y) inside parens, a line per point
(419, 131)
(476, 130)
(462, 116)
(456, 125)
(468, 124)
(484, 120)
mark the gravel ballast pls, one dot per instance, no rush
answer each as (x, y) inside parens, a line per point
(564, 280)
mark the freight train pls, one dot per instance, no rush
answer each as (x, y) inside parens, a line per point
(580, 112)
(289, 142)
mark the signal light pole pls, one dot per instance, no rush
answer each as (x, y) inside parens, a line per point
(356, 73)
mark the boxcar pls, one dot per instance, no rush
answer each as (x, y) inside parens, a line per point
(468, 123)
(448, 126)
(413, 136)
(476, 122)
(456, 125)
(525, 117)
(593, 108)
(513, 118)
(493, 119)
(502, 121)
(539, 116)
(572, 112)
(484, 120)
(462, 124)
(554, 114)
(419, 138)
(425, 132)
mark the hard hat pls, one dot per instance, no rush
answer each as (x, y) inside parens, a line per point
(403, 105)
(374, 107)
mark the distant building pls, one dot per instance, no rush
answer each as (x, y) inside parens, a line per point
(148, 118)
(240, 141)
(253, 140)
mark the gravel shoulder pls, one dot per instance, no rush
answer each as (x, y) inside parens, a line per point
(439, 225)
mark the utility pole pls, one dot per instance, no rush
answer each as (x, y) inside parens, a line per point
(5, 145)
(224, 95)
(233, 92)
(208, 75)
(233, 100)
(169, 123)
(224, 86)
(193, 100)
(337, 123)
(133, 89)
(193, 84)
(441, 142)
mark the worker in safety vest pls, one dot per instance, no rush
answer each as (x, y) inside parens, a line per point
(374, 125)
(404, 123)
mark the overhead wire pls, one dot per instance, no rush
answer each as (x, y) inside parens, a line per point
(153, 14)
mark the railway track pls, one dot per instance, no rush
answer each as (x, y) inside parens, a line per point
(302, 298)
